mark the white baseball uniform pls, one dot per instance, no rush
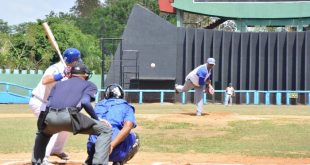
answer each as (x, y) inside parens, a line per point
(38, 103)
(229, 92)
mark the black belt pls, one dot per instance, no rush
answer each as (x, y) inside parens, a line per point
(61, 109)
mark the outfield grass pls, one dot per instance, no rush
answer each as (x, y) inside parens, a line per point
(280, 138)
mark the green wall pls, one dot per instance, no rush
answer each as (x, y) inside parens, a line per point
(31, 80)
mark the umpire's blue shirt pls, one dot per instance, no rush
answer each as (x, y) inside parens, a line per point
(116, 112)
(70, 92)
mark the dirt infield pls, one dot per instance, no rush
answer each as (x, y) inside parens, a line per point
(143, 158)
(210, 119)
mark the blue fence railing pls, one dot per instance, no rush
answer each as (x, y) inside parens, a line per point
(14, 88)
(248, 94)
(13, 93)
(20, 94)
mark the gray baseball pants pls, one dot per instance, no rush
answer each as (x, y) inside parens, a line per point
(57, 121)
(198, 96)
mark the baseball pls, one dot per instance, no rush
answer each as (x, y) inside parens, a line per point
(153, 65)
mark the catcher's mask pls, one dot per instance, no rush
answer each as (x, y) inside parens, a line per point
(114, 91)
(79, 69)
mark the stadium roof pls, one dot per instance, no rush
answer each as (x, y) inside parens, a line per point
(247, 9)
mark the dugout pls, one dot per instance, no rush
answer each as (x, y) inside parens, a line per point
(250, 60)
(153, 83)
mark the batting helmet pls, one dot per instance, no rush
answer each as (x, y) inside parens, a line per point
(114, 91)
(79, 69)
(71, 55)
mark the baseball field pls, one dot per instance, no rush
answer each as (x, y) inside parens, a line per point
(172, 134)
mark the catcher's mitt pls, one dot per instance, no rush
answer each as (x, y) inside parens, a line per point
(209, 89)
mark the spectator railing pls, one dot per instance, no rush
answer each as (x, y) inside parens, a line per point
(247, 93)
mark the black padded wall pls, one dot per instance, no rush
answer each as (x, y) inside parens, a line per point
(251, 61)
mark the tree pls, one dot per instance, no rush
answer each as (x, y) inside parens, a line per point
(4, 49)
(4, 27)
(68, 35)
(28, 46)
(83, 8)
(109, 21)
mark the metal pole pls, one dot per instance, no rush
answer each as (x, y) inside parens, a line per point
(121, 63)
(103, 51)
(102, 64)
(247, 94)
(279, 98)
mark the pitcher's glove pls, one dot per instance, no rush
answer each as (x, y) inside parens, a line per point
(209, 89)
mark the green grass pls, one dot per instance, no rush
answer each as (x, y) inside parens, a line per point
(17, 135)
(301, 110)
(274, 137)
(256, 138)
(261, 138)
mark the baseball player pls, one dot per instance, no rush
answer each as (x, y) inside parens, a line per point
(120, 115)
(40, 93)
(198, 79)
(230, 91)
(62, 113)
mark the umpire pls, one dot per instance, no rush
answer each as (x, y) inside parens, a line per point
(63, 114)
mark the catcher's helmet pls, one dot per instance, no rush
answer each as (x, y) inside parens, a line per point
(71, 55)
(114, 91)
(79, 69)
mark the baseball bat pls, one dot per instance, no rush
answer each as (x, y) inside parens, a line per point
(52, 40)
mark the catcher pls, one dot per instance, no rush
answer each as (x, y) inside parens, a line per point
(121, 115)
(200, 80)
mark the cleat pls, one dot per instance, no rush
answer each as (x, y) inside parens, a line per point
(175, 88)
(62, 155)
